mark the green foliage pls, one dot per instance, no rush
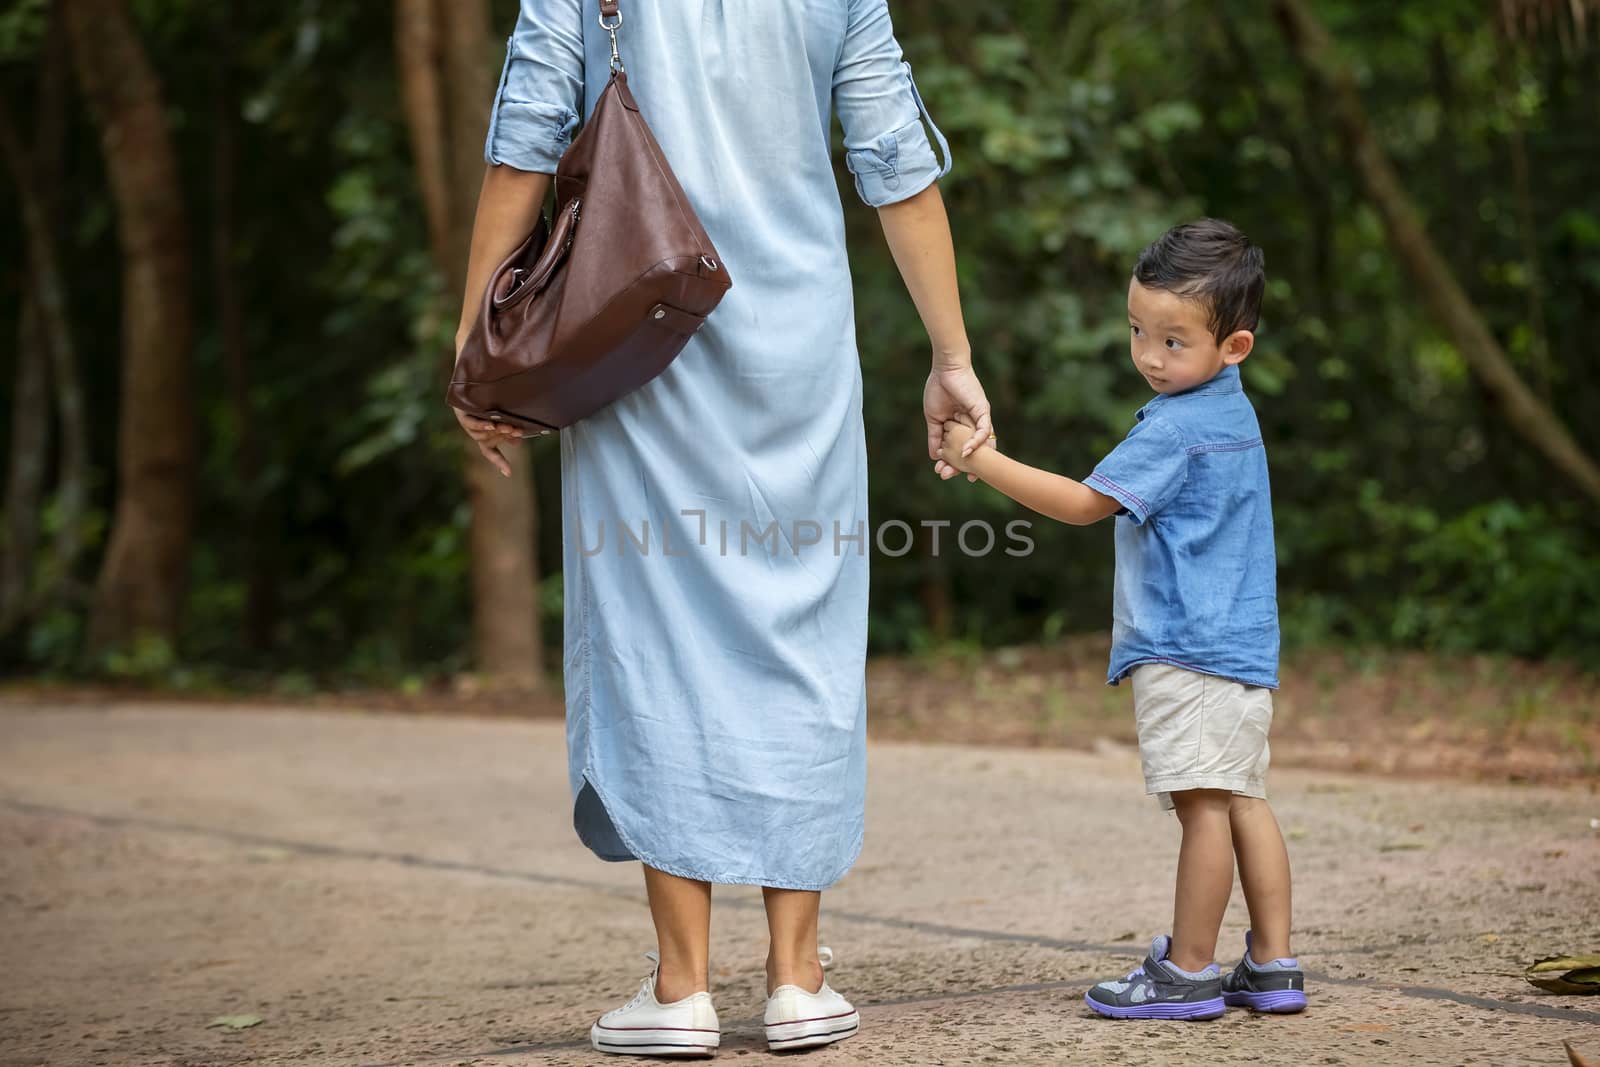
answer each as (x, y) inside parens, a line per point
(1505, 577)
(1408, 513)
(22, 27)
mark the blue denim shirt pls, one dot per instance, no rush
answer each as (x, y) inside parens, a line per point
(1196, 579)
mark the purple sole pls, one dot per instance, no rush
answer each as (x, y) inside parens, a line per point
(1276, 1001)
(1203, 1009)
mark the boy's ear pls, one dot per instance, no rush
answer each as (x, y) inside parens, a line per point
(1236, 346)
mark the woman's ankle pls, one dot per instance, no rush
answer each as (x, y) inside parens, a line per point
(674, 985)
(805, 973)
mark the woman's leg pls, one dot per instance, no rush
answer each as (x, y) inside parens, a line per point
(681, 908)
(792, 925)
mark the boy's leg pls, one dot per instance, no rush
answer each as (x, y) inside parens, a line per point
(1205, 875)
(681, 909)
(792, 925)
(1264, 874)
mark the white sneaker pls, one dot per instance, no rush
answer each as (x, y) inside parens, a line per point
(646, 1027)
(797, 1019)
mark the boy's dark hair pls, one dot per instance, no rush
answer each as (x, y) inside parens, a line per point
(1209, 261)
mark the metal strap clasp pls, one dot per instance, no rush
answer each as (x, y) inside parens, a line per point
(611, 28)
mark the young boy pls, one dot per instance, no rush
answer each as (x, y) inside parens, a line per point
(1195, 620)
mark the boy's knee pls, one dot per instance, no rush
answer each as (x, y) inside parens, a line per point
(1201, 803)
(1246, 806)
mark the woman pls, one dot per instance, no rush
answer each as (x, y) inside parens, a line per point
(715, 640)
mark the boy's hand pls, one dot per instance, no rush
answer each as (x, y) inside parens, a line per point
(956, 436)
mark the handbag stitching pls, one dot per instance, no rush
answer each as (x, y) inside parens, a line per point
(598, 313)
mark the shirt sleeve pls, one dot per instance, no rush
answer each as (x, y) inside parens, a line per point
(886, 147)
(1145, 472)
(540, 100)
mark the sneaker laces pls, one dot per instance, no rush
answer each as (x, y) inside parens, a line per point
(647, 988)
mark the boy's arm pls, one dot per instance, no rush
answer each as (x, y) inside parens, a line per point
(1051, 495)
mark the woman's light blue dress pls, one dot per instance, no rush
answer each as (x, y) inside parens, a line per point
(714, 523)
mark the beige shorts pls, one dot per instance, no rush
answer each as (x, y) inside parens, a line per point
(1197, 731)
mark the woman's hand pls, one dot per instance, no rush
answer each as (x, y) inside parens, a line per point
(490, 437)
(953, 392)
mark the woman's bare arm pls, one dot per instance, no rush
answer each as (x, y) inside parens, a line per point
(918, 231)
(509, 203)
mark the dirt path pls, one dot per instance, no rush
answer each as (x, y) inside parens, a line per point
(386, 889)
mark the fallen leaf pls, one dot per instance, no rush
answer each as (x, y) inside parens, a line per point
(1298, 833)
(1402, 846)
(235, 1022)
(1489, 939)
(1568, 975)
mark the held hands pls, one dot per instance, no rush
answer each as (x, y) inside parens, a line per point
(958, 432)
(954, 393)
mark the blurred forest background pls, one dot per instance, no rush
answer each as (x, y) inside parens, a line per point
(233, 244)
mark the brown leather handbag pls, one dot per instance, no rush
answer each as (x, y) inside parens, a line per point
(593, 307)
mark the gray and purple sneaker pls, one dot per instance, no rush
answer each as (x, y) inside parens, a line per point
(1278, 986)
(1160, 989)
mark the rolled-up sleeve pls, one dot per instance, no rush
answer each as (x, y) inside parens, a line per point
(886, 146)
(539, 103)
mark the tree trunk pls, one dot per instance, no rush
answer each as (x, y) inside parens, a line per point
(934, 591)
(143, 578)
(447, 80)
(1305, 156)
(256, 525)
(30, 437)
(46, 347)
(30, 411)
(72, 480)
(417, 53)
(1527, 219)
(1440, 290)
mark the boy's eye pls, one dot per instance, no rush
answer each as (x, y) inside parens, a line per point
(1136, 331)
(1174, 344)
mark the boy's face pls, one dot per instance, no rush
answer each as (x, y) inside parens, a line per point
(1171, 342)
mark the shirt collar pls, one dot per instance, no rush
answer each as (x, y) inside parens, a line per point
(1226, 381)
